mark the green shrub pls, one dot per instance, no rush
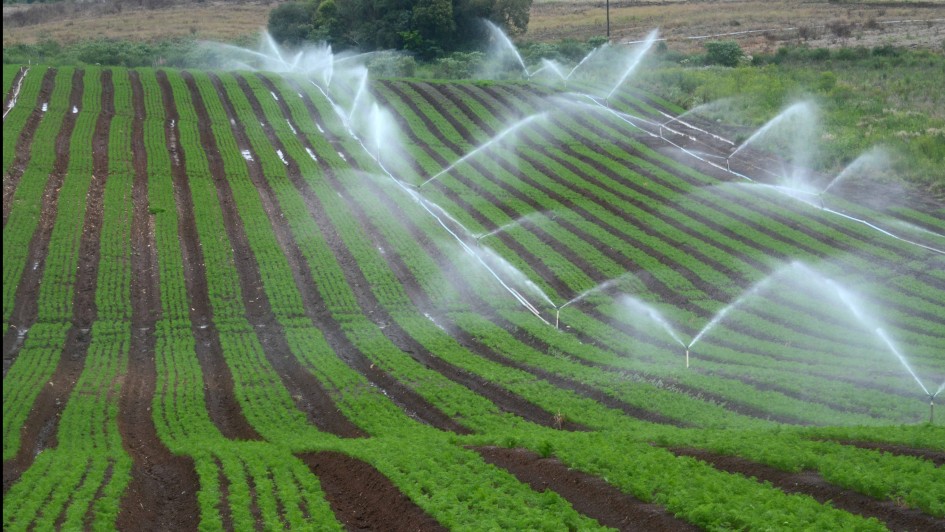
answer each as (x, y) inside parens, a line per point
(725, 53)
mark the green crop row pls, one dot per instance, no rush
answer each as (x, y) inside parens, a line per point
(10, 73)
(35, 362)
(367, 408)
(693, 490)
(15, 118)
(26, 207)
(878, 475)
(432, 486)
(258, 388)
(88, 430)
(180, 414)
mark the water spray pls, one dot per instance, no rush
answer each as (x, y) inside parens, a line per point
(487, 145)
(635, 61)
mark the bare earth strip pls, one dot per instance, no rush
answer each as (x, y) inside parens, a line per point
(364, 499)
(504, 399)
(810, 483)
(740, 408)
(39, 430)
(27, 291)
(162, 493)
(421, 299)
(220, 400)
(308, 394)
(23, 153)
(936, 457)
(410, 401)
(588, 494)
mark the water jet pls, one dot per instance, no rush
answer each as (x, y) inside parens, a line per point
(488, 144)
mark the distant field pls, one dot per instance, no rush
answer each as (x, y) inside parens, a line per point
(222, 21)
(871, 22)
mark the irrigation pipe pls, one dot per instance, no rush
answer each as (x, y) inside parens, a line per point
(16, 93)
(426, 206)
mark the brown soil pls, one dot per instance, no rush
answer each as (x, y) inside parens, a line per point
(162, 492)
(936, 457)
(22, 156)
(9, 95)
(421, 300)
(588, 494)
(221, 403)
(363, 498)
(894, 515)
(26, 301)
(503, 398)
(308, 394)
(409, 401)
(39, 430)
(610, 401)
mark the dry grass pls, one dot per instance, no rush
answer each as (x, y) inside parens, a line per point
(212, 21)
(551, 20)
(677, 19)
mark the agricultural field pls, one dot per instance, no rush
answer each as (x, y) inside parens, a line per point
(304, 298)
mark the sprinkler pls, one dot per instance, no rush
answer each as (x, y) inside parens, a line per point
(728, 166)
(687, 358)
(931, 408)
(557, 317)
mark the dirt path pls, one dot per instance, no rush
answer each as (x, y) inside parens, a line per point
(162, 492)
(590, 495)
(895, 516)
(936, 457)
(503, 398)
(421, 300)
(221, 403)
(23, 144)
(307, 392)
(363, 498)
(585, 390)
(569, 255)
(405, 398)
(26, 301)
(39, 432)
(540, 267)
(409, 401)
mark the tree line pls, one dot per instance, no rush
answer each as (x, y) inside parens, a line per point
(427, 28)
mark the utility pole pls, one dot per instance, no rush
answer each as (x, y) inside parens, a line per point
(608, 20)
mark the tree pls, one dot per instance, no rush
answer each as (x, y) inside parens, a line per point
(725, 53)
(292, 23)
(427, 27)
